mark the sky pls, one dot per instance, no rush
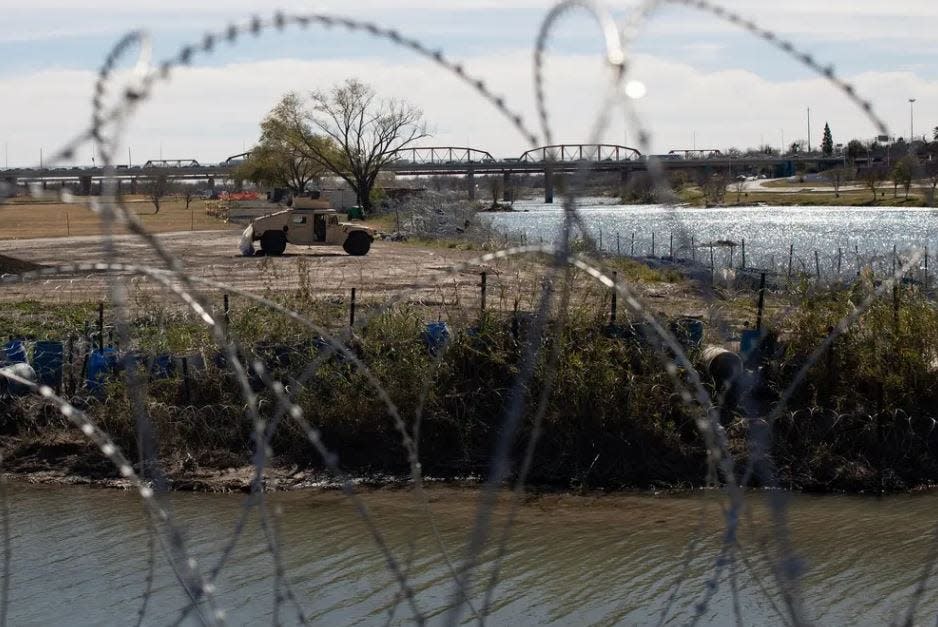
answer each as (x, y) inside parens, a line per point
(708, 84)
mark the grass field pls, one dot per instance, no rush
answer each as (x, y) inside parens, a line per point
(847, 198)
(21, 219)
(851, 198)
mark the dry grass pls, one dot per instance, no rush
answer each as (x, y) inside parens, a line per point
(29, 218)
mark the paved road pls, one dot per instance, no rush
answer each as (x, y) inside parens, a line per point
(762, 185)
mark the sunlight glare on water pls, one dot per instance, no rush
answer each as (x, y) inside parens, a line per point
(768, 231)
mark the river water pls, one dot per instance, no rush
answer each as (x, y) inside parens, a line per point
(79, 557)
(865, 232)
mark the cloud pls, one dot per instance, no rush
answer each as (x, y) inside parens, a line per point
(210, 113)
(840, 21)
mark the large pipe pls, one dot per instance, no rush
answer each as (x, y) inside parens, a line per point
(723, 366)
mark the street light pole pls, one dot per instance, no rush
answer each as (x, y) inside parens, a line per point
(809, 129)
(911, 119)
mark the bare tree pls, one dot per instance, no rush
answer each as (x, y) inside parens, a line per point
(931, 173)
(157, 190)
(837, 177)
(188, 192)
(714, 187)
(740, 186)
(367, 132)
(873, 177)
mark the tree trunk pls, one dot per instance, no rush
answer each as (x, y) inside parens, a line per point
(364, 196)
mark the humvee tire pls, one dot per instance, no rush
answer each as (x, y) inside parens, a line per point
(273, 243)
(357, 243)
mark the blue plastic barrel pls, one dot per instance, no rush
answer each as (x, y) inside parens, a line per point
(435, 336)
(749, 341)
(14, 352)
(101, 364)
(48, 358)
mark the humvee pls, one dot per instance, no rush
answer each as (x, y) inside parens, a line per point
(309, 222)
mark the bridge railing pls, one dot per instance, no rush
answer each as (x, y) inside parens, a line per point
(568, 153)
(239, 157)
(444, 155)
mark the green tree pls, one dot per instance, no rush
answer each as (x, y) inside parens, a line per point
(904, 173)
(934, 134)
(281, 157)
(827, 143)
(855, 149)
(366, 133)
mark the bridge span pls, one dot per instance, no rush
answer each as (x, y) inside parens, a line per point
(549, 161)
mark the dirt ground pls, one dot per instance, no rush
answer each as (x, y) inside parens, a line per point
(30, 218)
(405, 272)
(388, 268)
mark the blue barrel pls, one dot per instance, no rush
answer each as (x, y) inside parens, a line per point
(48, 358)
(749, 341)
(14, 352)
(435, 336)
(101, 364)
(688, 331)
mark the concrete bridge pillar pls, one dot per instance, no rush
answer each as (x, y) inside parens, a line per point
(84, 185)
(549, 185)
(10, 186)
(133, 186)
(506, 187)
(624, 174)
(211, 184)
(471, 182)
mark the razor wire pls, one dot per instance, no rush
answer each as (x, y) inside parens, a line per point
(616, 43)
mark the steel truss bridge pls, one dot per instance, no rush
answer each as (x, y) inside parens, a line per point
(439, 160)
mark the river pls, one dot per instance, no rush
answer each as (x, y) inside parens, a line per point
(867, 233)
(79, 557)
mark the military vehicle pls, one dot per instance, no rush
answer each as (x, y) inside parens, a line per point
(310, 222)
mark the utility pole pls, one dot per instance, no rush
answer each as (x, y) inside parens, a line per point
(809, 129)
(130, 163)
(911, 120)
(40, 158)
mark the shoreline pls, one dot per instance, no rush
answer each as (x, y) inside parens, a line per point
(73, 468)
